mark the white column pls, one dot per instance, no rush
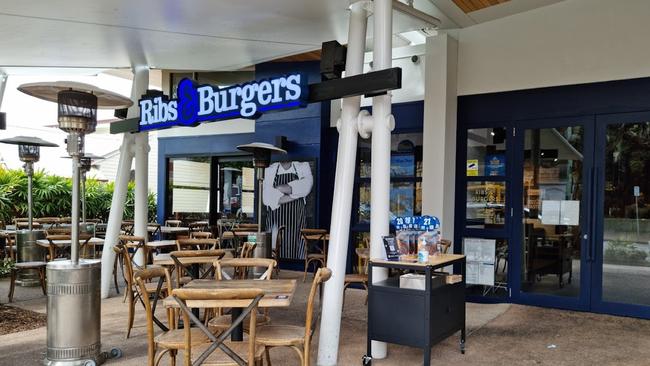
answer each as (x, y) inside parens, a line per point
(439, 150)
(3, 84)
(141, 78)
(383, 124)
(120, 190)
(343, 188)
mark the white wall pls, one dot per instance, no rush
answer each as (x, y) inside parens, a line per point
(571, 42)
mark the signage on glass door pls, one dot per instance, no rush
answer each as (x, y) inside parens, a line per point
(202, 103)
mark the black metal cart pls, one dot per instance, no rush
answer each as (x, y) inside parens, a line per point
(416, 318)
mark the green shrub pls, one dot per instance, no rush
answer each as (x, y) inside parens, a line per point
(53, 195)
(5, 266)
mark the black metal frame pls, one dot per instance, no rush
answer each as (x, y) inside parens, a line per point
(416, 318)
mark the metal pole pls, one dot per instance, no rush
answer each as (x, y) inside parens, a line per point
(328, 344)
(83, 197)
(29, 169)
(74, 152)
(380, 149)
(260, 184)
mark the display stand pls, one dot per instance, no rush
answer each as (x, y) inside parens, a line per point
(416, 318)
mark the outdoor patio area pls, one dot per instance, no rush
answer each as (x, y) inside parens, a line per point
(498, 334)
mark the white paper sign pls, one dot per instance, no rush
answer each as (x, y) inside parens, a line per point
(551, 212)
(248, 202)
(248, 179)
(480, 255)
(570, 213)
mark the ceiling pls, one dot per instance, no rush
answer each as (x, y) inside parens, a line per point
(87, 36)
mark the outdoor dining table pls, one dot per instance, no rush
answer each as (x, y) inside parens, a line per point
(277, 293)
(66, 243)
(157, 244)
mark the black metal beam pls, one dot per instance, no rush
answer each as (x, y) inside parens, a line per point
(126, 125)
(369, 84)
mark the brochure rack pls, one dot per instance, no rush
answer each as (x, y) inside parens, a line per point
(416, 318)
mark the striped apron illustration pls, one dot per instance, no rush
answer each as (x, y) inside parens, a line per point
(292, 215)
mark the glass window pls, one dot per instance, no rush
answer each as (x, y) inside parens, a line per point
(237, 187)
(486, 149)
(405, 172)
(189, 187)
(485, 205)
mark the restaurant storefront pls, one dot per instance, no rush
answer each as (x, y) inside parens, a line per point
(207, 177)
(555, 179)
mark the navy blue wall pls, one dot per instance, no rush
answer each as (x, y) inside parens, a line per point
(304, 129)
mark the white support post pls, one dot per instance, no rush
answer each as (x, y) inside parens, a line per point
(120, 190)
(383, 124)
(343, 189)
(141, 78)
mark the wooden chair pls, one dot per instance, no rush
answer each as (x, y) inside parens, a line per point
(173, 223)
(221, 351)
(10, 247)
(21, 266)
(361, 277)
(133, 293)
(247, 250)
(200, 235)
(190, 244)
(247, 227)
(58, 231)
(446, 244)
(169, 341)
(188, 269)
(296, 337)
(136, 243)
(242, 268)
(155, 233)
(54, 251)
(318, 255)
(279, 237)
(127, 227)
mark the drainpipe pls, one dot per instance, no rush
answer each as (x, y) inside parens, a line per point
(383, 124)
(120, 189)
(141, 78)
(343, 189)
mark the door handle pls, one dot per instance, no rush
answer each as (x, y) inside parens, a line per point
(592, 214)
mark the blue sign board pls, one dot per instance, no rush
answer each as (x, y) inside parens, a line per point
(495, 165)
(201, 103)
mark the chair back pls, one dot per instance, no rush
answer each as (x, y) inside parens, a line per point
(247, 227)
(127, 266)
(322, 275)
(173, 223)
(279, 237)
(218, 298)
(364, 256)
(242, 267)
(446, 244)
(190, 244)
(247, 250)
(58, 231)
(200, 234)
(310, 236)
(141, 277)
(183, 260)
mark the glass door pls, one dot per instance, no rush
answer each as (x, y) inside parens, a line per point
(622, 250)
(552, 222)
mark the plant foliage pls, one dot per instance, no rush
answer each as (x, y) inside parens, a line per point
(52, 196)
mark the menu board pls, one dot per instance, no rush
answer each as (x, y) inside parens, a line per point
(248, 202)
(248, 179)
(480, 254)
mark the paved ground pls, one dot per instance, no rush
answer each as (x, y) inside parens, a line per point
(499, 334)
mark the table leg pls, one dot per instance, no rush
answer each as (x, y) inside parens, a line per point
(237, 334)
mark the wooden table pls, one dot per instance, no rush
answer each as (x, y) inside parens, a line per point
(277, 293)
(157, 244)
(166, 260)
(66, 243)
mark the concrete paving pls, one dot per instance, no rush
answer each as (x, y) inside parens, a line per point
(498, 334)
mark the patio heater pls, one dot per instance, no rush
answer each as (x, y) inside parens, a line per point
(261, 160)
(73, 291)
(27, 249)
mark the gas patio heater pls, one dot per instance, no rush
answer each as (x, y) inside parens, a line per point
(261, 160)
(27, 249)
(73, 291)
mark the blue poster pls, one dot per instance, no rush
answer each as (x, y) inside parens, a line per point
(495, 165)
